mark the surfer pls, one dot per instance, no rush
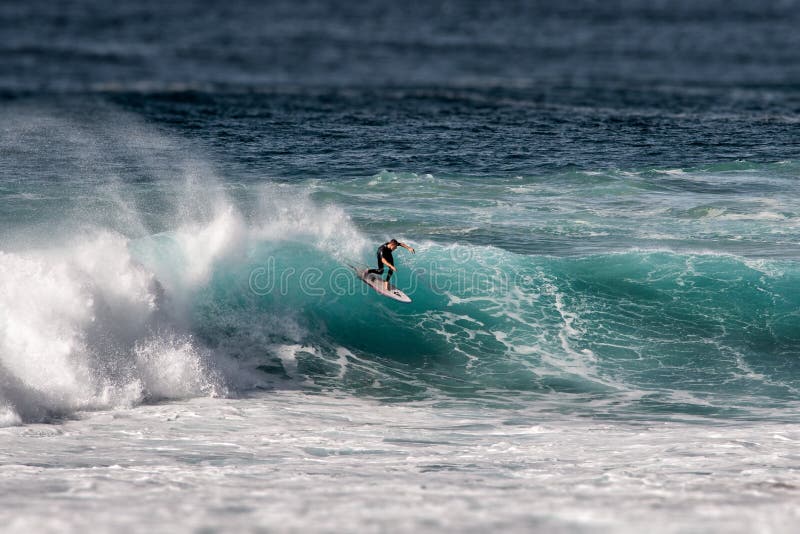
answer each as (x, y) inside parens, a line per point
(385, 258)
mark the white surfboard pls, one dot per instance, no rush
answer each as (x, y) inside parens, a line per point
(376, 282)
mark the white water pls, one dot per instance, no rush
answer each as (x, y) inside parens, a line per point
(292, 462)
(79, 329)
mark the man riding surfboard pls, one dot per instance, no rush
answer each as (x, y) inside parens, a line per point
(385, 259)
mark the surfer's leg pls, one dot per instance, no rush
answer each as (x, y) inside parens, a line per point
(379, 270)
(386, 282)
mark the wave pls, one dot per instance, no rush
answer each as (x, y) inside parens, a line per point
(239, 301)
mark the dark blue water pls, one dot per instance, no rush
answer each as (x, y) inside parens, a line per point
(317, 88)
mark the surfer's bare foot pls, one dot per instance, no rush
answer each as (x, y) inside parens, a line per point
(386, 286)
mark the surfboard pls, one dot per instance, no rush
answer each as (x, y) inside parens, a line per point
(376, 282)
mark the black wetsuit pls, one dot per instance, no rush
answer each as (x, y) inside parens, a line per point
(384, 253)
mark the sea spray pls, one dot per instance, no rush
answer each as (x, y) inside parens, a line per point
(66, 314)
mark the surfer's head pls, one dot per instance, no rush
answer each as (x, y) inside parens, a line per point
(393, 244)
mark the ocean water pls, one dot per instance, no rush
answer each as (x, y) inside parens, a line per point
(604, 199)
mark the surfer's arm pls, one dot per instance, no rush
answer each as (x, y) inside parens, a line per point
(410, 249)
(388, 264)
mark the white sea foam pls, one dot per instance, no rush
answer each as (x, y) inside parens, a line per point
(244, 464)
(175, 367)
(71, 320)
(760, 216)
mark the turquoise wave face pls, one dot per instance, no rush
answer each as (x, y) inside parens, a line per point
(656, 290)
(659, 331)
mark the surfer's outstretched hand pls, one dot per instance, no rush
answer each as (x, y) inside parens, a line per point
(407, 247)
